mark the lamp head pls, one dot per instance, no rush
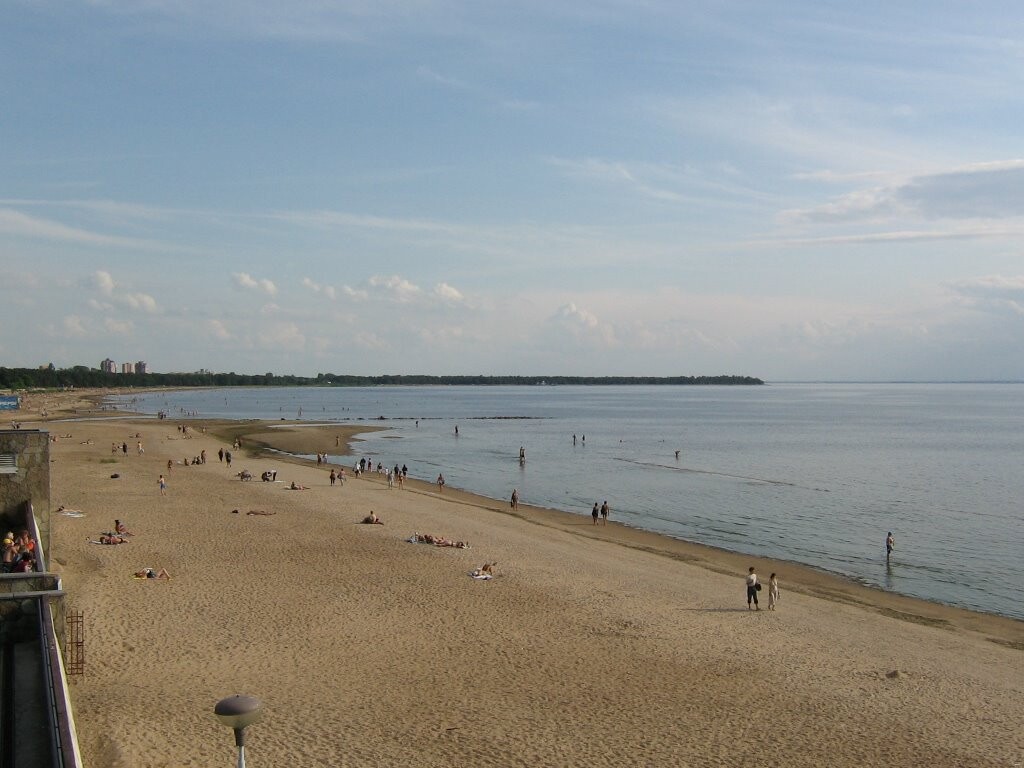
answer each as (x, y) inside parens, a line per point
(238, 711)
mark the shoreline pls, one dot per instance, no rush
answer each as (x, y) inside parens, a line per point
(285, 439)
(798, 576)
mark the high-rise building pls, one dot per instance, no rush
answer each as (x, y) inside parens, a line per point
(140, 367)
(108, 366)
(127, 368)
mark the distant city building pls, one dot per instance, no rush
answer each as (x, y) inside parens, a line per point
(127, 368)
(140, 367)
(108, 366)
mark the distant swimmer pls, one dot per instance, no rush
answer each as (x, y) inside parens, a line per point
(890, 544)
(677, 455)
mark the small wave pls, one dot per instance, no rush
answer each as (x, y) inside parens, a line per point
(721, 474)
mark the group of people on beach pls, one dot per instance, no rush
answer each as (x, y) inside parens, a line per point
(437, 541)
(119, 535)
(19, 552)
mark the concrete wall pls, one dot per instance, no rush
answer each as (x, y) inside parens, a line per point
(29, 484)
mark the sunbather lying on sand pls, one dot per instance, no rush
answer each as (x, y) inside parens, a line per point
(372, 519)
(437, 541)
(107, 538)
(149, 573)
(485, 571)
(254, 512)
(294, 487)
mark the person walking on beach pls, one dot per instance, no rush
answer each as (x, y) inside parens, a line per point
(440, 483)
(515, 498)
(773, 592)
(890, 544)
(227, 458)
(604, 513)
(163, 486)
(752, 590)
(594, 513)
(220, 454)
(334, 476)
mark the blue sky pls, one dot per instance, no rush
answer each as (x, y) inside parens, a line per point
(793, 190)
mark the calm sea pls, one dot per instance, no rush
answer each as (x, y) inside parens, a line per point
(813, 473)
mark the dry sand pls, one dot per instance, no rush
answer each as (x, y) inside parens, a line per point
(596, 646)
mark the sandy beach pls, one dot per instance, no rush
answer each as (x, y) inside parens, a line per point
(599, 646)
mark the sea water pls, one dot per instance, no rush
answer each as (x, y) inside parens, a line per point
(812, 473)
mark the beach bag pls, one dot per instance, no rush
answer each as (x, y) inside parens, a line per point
(758, 586)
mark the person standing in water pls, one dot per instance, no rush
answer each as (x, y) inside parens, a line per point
(890, 545)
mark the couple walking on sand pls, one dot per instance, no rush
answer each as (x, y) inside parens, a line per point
(602, 511)
(754, 586)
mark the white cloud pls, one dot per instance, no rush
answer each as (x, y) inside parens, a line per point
(141, 301)
(448, 293)
(284, 337)
(584, 325)
(576, 316)
(326, 290)
(73, 326)
(104, 282)
(119, 327)
(395, 288)
(978, 191)
(244, 280)
(218, 330)
(355, 293)
(23, 225)
(994, 292)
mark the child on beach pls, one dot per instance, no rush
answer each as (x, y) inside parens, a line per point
(773, 592)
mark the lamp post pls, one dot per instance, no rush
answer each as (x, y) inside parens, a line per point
(237, 712)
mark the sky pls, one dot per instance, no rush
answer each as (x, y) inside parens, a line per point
(794, 190)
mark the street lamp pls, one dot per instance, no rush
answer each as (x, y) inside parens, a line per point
(237, 712)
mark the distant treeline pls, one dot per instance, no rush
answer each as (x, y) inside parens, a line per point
(81, 376)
